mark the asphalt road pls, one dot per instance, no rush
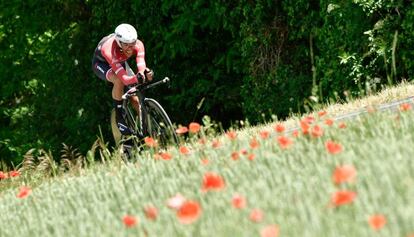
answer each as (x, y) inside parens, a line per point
(392, 106)
(395, 105)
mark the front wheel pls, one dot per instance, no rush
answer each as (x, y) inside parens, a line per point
(159, 125)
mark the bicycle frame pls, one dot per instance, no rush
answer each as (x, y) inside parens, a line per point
(148, 120)
(142, 113)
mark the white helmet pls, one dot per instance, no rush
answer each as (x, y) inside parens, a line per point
(125, 33)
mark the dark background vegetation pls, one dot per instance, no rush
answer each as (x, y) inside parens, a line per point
(243, 59)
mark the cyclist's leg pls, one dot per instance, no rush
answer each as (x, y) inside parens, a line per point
(135, 103)
(104, 71)
(118, 86)
(117, 90)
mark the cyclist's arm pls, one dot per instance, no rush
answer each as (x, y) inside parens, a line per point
(122, 74)
(140, 49)
(108, 52)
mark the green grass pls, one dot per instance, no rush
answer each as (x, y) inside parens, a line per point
(292, 187)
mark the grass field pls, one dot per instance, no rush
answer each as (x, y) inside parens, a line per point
(329, 178)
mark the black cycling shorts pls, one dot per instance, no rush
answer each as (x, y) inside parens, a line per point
(101, 69)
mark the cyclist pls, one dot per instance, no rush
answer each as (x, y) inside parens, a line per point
(108, 64)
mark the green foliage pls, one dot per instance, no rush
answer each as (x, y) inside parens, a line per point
(406, 43)
(229, 60)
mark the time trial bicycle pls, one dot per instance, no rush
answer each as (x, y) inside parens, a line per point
(147, 119)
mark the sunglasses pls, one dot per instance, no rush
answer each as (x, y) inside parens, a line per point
(127, 45)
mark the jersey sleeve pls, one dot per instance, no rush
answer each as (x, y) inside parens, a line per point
(141, 65)
(122, 74)
(108, 53)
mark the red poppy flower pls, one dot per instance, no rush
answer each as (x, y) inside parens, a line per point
(130, 221)
(295, 133)
(251, 156)
(24, 192)
(181, 130)
(308, 119)
(212, 181)
(3, 175)
(194, 127)
(215, 143)
(305, 127)
(235, 155)
(254, 143)
(151, 212)
(345, 173)
(377, 221)
(149, 141)
(244, 152)
(14, 173)
(184, 150)
(284, 142)
(205, 161)
(279, 128)
(270, 231)
(189, 212)
(238, 201)
(317, 131)
(329, 121)
(343, 197)
(342, 125)
(405, 107)
(333, 147)
(264, 134)
(256, 215)
(232, 135)
(165, 156)
(322, 113)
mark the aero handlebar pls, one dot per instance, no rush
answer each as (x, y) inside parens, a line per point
(144, 86)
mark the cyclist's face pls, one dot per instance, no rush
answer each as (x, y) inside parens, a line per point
(127, 48)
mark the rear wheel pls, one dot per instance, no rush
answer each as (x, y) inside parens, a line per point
(115, 131)
(159, 125)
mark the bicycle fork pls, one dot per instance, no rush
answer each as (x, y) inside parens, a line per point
(139, 122)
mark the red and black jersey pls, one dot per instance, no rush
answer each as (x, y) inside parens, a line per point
(109, 51)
